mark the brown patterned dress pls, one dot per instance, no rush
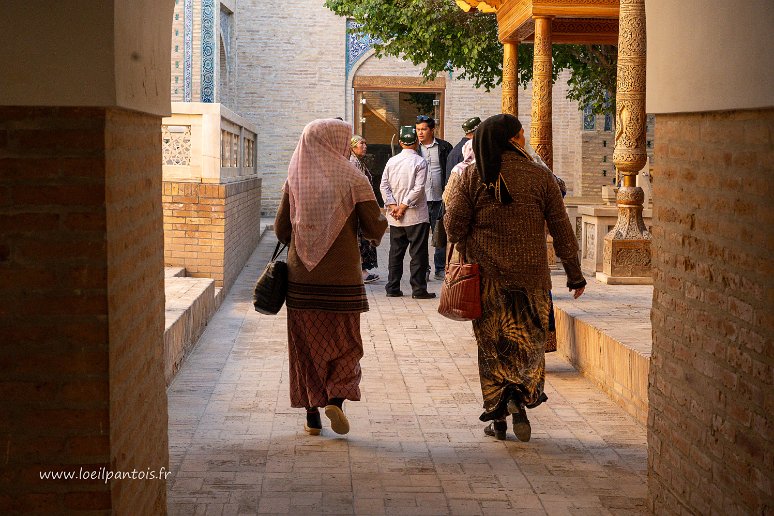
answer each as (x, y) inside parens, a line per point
(509, 244)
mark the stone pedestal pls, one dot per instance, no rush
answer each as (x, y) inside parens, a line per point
(595, 223)
(626, 256)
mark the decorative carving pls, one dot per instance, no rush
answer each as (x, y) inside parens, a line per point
(630, 225)
(630, 154)
(590, 249)
(526, 30)
(540, 130)
(381, 82)
(579, 2)
(627, 245)
(510, 84)
(632, 257)
(585, 26)
(578, 230)
(176, 144)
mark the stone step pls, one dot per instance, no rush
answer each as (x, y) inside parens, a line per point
(190, 303)
(174, 272)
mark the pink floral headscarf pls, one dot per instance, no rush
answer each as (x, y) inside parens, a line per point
(468, 157)
(323, 187)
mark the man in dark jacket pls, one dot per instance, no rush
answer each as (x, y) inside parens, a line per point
(455, 156)
(436, 152)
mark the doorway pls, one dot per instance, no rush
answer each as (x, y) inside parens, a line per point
(380, 111)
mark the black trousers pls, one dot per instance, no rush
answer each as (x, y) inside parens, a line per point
(415, 239)
(435, 210)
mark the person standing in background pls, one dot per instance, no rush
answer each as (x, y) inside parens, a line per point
(403, 190)
(435, 151)
(359, 147)
(456, 155)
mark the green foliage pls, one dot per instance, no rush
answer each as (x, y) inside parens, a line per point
(422, 101)
(440, 37)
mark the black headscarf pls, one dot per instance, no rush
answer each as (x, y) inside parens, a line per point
(489, 144)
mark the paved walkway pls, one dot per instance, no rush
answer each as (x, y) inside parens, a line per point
(416, 445)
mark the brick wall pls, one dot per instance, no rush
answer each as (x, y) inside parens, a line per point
(710, 446)
(278, 90)
(62, 323)
(243, 231)
(135, 279)
(211, 229)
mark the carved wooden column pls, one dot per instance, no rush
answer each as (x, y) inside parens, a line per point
(540, 136)
(511, 78)
(626, 254)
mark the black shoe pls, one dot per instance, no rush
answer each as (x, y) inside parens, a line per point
(397, 293)
(440, 275)
(423, 295)
(521, 426)
(497, 430)
(313, 425)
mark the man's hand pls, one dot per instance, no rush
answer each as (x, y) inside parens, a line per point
(397, 212)
(578, 292)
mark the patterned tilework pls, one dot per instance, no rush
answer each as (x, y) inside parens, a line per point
(358, 44)
(188, 51)
(208, 51)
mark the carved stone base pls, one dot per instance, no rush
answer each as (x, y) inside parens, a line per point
(626, 259)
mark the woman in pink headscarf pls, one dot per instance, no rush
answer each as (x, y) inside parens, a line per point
(324, 202)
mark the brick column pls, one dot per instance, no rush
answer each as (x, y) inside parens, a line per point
(81, 257)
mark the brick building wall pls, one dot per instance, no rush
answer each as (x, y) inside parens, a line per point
(291, 71)
(72, 310)
(242, 230)
(135, 258)
(210, 229)
(710, 448)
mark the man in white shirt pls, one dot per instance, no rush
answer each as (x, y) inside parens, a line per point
(403, 190)
(435, 151)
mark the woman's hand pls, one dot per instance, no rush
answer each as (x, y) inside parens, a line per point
(578, 292)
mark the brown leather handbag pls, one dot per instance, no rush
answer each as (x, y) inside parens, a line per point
(461, 290)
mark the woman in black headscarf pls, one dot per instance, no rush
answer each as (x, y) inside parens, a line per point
(497, 217)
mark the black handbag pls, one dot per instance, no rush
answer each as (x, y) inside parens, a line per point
(272, 286)
(439, 231)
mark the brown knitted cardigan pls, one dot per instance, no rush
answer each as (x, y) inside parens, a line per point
(336, 283)
(509, 241)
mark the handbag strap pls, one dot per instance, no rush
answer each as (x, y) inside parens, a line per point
(278, 251)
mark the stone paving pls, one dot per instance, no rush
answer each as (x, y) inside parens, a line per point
(416, 444)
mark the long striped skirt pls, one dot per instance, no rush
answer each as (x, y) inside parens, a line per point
(511, 337)
(325, 349)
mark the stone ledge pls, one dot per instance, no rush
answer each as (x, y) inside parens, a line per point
(606, 335)
(190, 303)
